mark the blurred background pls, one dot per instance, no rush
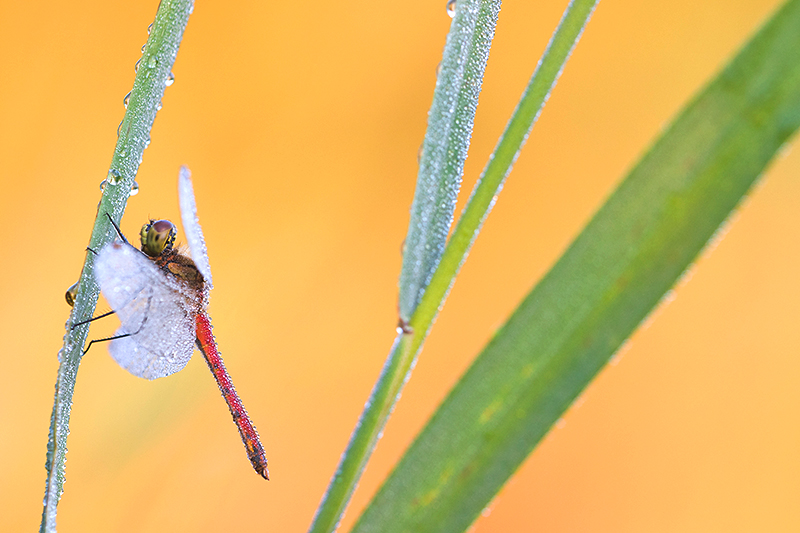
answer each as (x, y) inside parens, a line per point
(301, 124)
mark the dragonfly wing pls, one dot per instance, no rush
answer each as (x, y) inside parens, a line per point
(191, 225)
(156, 312)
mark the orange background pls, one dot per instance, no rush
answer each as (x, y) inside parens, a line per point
(301, 123)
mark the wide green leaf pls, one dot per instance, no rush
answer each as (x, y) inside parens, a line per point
(630, 254)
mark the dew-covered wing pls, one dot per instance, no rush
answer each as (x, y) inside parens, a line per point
(155, 310)
(191, 225)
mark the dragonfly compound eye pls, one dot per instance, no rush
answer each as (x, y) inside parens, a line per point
(158, 236)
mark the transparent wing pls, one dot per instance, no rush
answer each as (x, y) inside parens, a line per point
(191, 225)
(156, 311)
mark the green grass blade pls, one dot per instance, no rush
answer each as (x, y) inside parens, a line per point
(544, 78)
(407, 345)
(631, 253)
(444, 149)
(134, 135)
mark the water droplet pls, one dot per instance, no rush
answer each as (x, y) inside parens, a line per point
(621, 351)
(170, 79)
(135, 189)
(147, 141)
(145, 45)
(159, 105)
(136, 66)
(438, 69)
(71, 293)
(119, 128)
(451, 8)
(579, 401)
(123, 153)
(113, 177)
(103, 185)
(149, 28)
(126, 100)
(152, 62)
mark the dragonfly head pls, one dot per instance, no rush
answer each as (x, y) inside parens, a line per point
(158, 236)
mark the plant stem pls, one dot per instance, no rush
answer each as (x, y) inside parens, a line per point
(408, 344)
(153, 73)
(444, 151)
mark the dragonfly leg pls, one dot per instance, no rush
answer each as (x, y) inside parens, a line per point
(115, 337)
(116, 228)
(98, 317)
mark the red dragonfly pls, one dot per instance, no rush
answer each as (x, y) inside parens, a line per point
(161, 296)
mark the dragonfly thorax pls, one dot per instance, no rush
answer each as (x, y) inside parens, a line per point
(157, 237)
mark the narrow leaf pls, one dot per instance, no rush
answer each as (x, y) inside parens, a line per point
(441, 166)
(152, 76)
(631, 253)
(444, 149)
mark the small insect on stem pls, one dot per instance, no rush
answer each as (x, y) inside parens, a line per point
(160, 296)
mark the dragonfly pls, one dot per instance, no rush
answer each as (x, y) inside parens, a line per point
(160, 295)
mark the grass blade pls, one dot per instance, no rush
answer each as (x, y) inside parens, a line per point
(441, 167)
(634, 249)
(544, 78)
(444, 149)
(409, 343)
(153, 73)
